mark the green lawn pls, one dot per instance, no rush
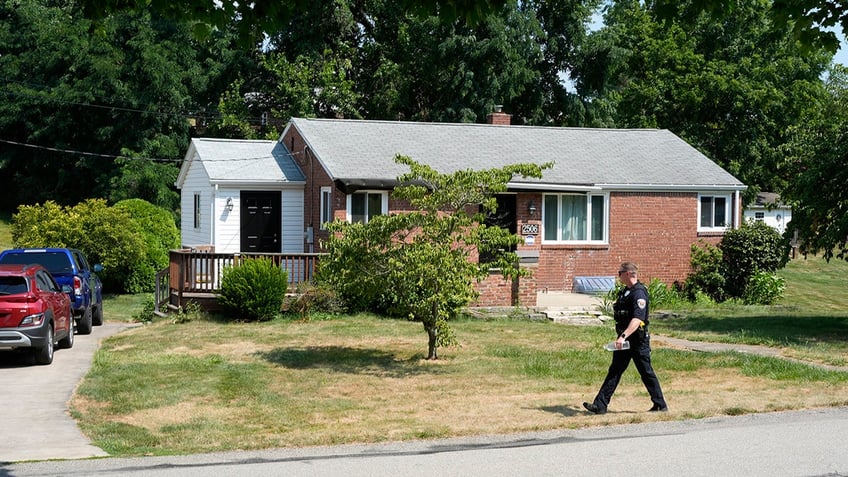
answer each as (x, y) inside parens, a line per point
(207, 385)
(814, 285)
(810, 323)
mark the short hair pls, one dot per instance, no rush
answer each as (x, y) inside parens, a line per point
(628, 267)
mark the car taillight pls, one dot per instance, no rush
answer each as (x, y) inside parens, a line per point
(77, 286)
(32, 320)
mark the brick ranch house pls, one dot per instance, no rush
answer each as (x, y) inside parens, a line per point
(642, 195)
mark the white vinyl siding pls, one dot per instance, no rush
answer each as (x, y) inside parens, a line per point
(196, 183)
(292, 220)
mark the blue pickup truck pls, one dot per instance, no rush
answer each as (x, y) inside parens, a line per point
(69, 267)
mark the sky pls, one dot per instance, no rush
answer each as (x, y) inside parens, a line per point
(841, 55)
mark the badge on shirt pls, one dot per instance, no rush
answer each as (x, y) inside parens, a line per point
(641, 303)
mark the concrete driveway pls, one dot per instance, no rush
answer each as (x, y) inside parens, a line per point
(36, 423)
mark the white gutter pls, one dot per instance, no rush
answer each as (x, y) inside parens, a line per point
(254, 185)
(626, 187)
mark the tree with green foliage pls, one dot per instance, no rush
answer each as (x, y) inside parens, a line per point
(732, 89)
(437, 69)
(160, 235)
(817, 157)
(106, 235)
(254, 20)
(351, 59)
(85, 110)
(813, 22)
(421, 265)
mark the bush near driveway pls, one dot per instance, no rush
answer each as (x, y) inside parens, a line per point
(131, 239)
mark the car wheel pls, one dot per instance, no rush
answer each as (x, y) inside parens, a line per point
(44, 355)
(84, 325)
(97, 319)
(68, 341)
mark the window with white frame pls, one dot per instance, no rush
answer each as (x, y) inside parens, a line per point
(363, 205)
(326, 206)
(197, 210)
(575, 217)
(713, 212)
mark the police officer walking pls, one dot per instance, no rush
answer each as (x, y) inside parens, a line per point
(631, 325)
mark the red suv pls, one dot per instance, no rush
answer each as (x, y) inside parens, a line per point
(35, 313)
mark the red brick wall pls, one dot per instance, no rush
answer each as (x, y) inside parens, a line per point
(653, 229)
(649, 229)
(316, 178)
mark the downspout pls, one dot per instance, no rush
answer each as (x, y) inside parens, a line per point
(311, 201)
(737, 213)
(212, 215)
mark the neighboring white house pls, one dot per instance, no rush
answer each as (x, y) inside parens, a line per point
(769, 209)
(241, 196)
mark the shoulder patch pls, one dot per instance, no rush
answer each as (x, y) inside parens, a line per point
(641, 303)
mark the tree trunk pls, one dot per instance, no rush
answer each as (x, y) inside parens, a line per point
(432, 336)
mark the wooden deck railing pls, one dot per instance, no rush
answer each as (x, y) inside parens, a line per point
(201, 272)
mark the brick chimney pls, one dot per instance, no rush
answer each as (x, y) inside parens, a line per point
(498, 117)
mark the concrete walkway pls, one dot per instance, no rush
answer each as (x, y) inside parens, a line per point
(710, 347)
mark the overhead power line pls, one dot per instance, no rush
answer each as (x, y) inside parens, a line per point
(111, 156)
(83, 153)
(40, 92)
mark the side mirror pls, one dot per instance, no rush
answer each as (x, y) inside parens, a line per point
(97, 268)
(67, 289)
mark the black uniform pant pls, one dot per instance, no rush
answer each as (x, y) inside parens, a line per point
(640, 353)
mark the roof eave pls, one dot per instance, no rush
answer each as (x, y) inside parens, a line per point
(539, 186)
(257, 183)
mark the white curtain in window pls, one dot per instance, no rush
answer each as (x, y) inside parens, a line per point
(573, 217)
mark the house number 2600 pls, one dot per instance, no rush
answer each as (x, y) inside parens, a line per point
(529, 229)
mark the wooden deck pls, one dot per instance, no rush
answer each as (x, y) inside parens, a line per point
(196, 275)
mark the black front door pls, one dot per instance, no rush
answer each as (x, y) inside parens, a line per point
(505, 217)
(261, 230)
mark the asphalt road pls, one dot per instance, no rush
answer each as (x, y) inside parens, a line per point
(804, 443)
(35, 423)
(35, 426)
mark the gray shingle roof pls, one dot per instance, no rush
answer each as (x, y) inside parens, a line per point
(247, 161)
(364, 150)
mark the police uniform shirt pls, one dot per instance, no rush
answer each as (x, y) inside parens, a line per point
(632, 303)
